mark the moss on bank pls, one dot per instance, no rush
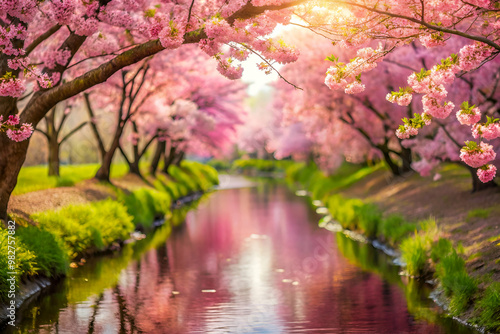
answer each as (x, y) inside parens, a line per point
(45, 246)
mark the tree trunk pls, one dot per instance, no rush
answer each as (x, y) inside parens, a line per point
(105, 170)
(406, 158)
(12, 156)
(134, 168)
(168, 159)
(178, 159)
(54, 157)
(392, 165)
(477, 185)
(160, 150)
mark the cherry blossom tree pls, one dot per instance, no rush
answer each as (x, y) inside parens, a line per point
(398, 23)
(53, 130)
(366, 118)
(59, 35)
(44, 46)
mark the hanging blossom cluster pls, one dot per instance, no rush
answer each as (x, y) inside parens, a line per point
(228, 43)
(432, 83)
(14, 131)
(348, 76)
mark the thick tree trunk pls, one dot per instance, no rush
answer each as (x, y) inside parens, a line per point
(477, 185)
(54, 157)
(160, 150)
(12, 156)
(168, 159)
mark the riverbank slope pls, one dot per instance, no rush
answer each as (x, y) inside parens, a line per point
(442, 230)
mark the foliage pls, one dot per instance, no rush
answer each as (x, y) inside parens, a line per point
(220, 165)
(206, 176)
(87, 227)
(478, 213)
(261, 165)
(414, 250)
(24, 263)
(489, 306)
(145, 205)
(50, 259)
(456, 282)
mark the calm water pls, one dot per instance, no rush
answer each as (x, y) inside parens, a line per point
(248, 260)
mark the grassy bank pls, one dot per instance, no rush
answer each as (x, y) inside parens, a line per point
(424, 248)
(49, 241)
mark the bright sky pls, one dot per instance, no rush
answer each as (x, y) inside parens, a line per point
(257, 79)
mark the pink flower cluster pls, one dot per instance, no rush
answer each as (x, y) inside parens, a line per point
(471, 56)
(12, 87)
(14, 133)
(407, 132)
(469, 117)
(402, 100)
(434, 109)
(486, 173)
(354, 87)
(477, 157)
(490, 131)
(228, 70)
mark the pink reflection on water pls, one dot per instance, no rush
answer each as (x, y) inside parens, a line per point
(273, 271)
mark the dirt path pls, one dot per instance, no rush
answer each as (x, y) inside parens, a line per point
(83, 192)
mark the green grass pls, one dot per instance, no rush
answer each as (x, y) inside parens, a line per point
(478, 213)
(261, 165)
(88, 227)
(456, 282)
(395, 228)
(35, 178)
(414, 252)
(50, 259)
(24, 262)
(489, 307)
(205, 176)
(219, 165)
(145, 205)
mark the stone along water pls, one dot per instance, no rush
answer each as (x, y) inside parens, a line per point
(248, 260)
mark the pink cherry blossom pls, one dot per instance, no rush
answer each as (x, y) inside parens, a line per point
(478, 157)
(487, 173)
(469, 118)
(23, 133)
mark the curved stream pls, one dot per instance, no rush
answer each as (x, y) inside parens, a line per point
(248, 260)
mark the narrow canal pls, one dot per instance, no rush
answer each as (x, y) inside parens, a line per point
(247, 260)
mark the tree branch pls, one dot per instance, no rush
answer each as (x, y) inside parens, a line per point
(72, 132)
(42, 38)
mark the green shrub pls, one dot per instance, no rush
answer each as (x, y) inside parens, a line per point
(456, 282)
(146, 205)
(394, 228)
(205, 176)
(219, 164)
(183, 179)
(369, 217)
(440, 249)
(414, 250)
(87, 227)
(51, 259)
(489, 306)
(24, 263)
